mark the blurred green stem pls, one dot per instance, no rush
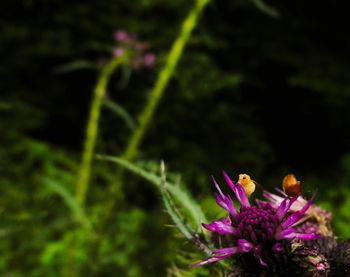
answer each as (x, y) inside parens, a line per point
(157, 92)
(116, 194)
(92, 128)
(163, 79)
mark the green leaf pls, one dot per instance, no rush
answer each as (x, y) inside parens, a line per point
(69, 200)
(177, 217)
(120, 111)
(74, 66)
(262, 6)
(177, 191)
(171, 209)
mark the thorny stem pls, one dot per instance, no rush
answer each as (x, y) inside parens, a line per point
(177, 217)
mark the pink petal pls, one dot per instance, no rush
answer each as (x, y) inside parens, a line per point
(238, 190)
(229, 181)
(307, 236)
(242, 196)
(273, 198)
(284, 207)
(294, 218)
(244, 245)
(224, 201)
(261, 203)
(226, 251)
(220, 226)
(223, 254)
(210, 260)
(285, 234)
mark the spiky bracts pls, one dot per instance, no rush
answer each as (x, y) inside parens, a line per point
(340, 265)
(310, 260)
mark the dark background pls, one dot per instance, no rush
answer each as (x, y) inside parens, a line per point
(253, 93)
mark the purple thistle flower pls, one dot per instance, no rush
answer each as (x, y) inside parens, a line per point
(256, 229)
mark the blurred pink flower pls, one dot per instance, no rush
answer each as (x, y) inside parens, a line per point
(118, 51)
(121, 36)
(149, 59)
(137, 51)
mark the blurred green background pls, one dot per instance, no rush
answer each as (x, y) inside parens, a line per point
(261, 88)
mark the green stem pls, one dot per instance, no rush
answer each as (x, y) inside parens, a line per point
(154, 98)
(89, 146)
(157, 92)
(92, 128)
(163, 79)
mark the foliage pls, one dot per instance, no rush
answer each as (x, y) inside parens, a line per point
(261, 87)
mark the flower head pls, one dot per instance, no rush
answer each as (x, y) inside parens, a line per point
(118, 52)
(318, 220)
(259, 229)
(138, 52)
(122, 36)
